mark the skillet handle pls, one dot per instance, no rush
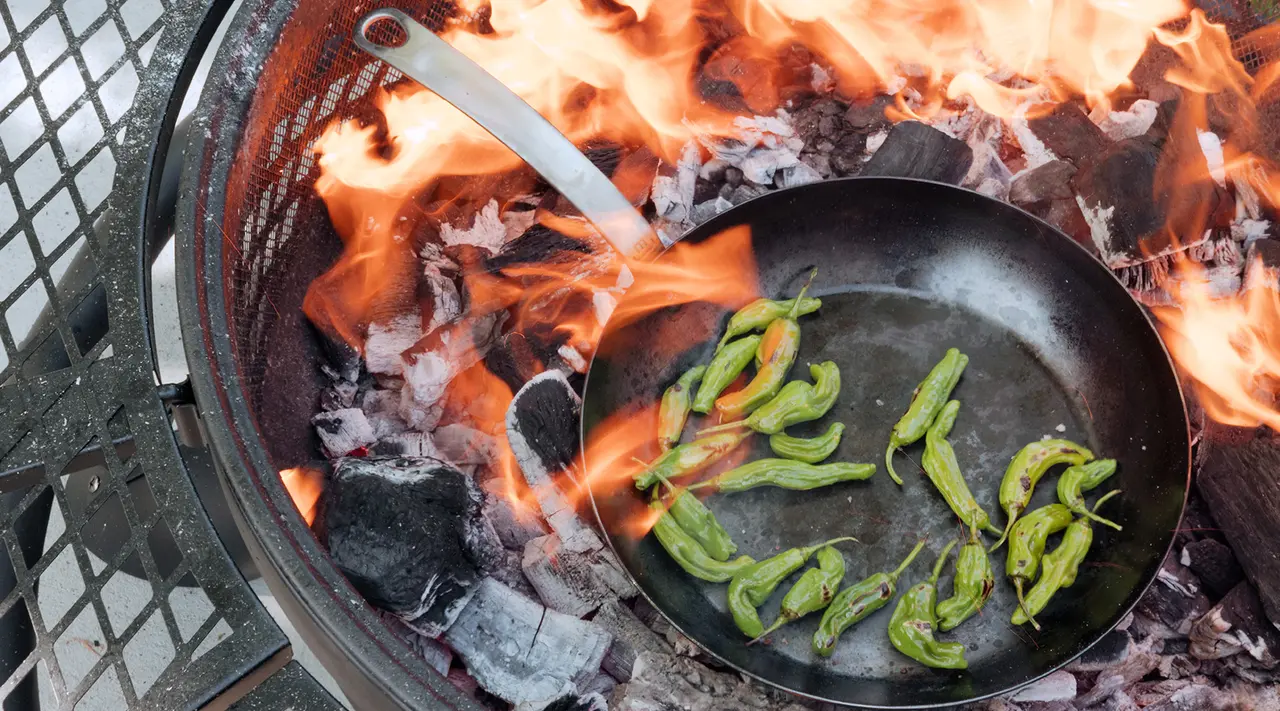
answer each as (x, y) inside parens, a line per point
(444, 70)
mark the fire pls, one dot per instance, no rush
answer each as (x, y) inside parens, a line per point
(304, 485)
(1230, 347)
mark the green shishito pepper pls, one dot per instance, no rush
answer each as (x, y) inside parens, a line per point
(698, 521)
(855, 603)
(1025, 470)
(758, 314)
(913, 621)
(727, 364)
(928, 400)
(1026, 545)
(689, 458)
(752, 585)
(1081, 478)
(1060, 567)
(691, 556)
(811, 450)
(943, 470)
(785, 474)
(776, 354)
(674, 410)
(812, 592)
(973, 584)
(797, 402)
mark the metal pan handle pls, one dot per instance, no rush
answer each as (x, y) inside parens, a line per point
(444, 70)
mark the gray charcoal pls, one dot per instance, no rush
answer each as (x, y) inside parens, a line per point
(590, 701)
(1214, 564)
(1058, 686)
(796, 175)
(432, 363)
(602, 684)
(382, 407)
(1237, 624)
(1143, 658)
(406, 444)
(846, 156)
(630, 638)
(343, 431)
(1175, 600)
(436, 655)
(746, 192)
(1067, 131)
(733, 176)
(339, 395)
(510, 573)
(1196, 697)
(868, 116)
(461, 445)
(1119, 701)
(574, 576)
(664, 681)
(915, 150)
(387, 340)
(401, 530)
(1043, 184)
(1110, 651)
(515, 525)
(820, 162)
(522, 652)
(706, 210)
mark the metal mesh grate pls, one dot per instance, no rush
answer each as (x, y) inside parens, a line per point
(84, 441)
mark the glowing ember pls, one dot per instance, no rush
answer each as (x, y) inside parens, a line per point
(304, 485)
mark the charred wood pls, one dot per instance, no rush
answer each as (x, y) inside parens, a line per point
(1175, 599)
(664, 681)
(1039, 186)
(1215, 565)
(522, 652)
(574, 576)
(1239, 479)
(343, 431)
(408, 534)
(915, 150)
(630, 638)
(1067, 131)
(1237, 624)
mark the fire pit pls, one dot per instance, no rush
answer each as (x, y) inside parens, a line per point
(396, 315)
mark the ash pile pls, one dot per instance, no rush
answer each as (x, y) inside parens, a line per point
(452, 502)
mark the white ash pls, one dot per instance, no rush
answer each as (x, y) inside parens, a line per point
(446, 303)
(1134, 121)
(427, 375)
(874, 141)
(1033, 149)
(343, 431)
(408, 444)
(820, 80)
(487, 230)
(572, 358)
(1247, 232)
(388, 339)
(382, 407)
(792, 176)
(987, 174)
(462, 445)
(672, 195)
(1058, 686)
(1211, 147)
(604, 303)
(760, 146)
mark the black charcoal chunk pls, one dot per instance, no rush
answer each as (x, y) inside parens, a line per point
(915, 150)
(1215, 565)
(1043, 184)
(586, 702)
(1110, 651)
(542, 424)
(537, 245)
(402, 531)
(1067, 131)
(868, 116)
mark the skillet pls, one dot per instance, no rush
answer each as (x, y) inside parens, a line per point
(907, 268)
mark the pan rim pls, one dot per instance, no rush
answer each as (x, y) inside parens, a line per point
(1142, 588)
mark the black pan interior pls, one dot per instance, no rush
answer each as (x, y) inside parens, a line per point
(907, 269)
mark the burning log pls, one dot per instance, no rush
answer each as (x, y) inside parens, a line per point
(343, 431)
(522, 652)
(1237, 624)
(1239, 479)
(1037, 187)
(630, 638)
(915, 150)
(664, 681)
(409, 536)
(1067, 132)
(574, 576)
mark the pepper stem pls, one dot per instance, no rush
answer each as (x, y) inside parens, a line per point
(722, 428)
(942, 560)
(888, 464)
(671, 488)
(824, 544)
(1017, 584)
(782, 620)
(1005, 534)
(907, 561)
(1095, 517)
(795, 305)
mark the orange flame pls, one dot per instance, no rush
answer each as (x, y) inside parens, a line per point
(304, 485)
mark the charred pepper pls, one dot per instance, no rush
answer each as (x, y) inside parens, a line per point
(752, 585)
(940, 464)
(786, 474)
(811, 450)
(674, 410)
(971, 587)
(698, 521)
(815, 589)
(797, 402)
(1081, 478)
(1025, 470)
(691, 556)
(727, 364)
(911, 627)
(689, 458)
(1060, 567)
(1026, 545)
(928, 400)
(776, 353)
(758, 314)
(855, 603)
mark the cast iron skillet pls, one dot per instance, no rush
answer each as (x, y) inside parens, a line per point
(906, 269)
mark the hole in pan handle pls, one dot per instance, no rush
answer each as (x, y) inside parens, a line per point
(444, 70)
